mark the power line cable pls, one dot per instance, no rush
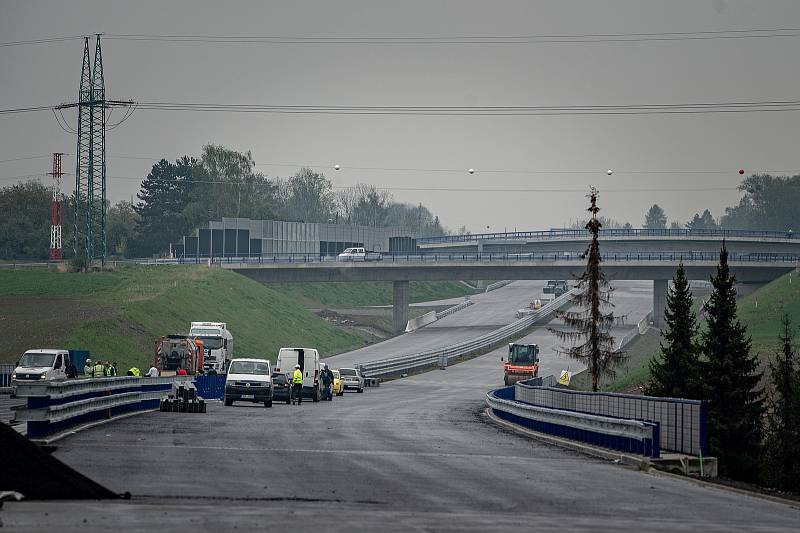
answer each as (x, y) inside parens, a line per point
(464, 39)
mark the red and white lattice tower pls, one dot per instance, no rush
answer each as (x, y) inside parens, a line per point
(56, 248)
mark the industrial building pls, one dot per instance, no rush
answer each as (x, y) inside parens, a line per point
(243, 237)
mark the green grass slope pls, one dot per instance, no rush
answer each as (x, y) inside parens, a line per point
(760, 311)
(362, 294)
(118, 315)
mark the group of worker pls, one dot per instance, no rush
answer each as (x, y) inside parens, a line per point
(100, 369)
(297, 384)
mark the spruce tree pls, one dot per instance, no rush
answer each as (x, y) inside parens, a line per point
(588, 322)
(782, 445)
(735, 405)
(676, 372)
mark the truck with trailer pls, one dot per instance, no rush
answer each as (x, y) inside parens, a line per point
(522, 364)
(217, 345)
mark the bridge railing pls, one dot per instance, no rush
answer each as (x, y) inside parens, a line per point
(683, 422)
(55, 406)
(627, 435)
(611, 232)
(441, 356)
(566, 256)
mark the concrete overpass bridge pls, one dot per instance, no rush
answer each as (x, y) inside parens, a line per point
(400, 269)
(615, 240)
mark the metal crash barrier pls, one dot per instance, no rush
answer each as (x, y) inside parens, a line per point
(58, 405)
(621, 434)
(442, 356)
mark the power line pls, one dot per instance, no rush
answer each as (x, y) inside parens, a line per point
(465, 39)
(426, 189)
(521, 110)
(42, 41)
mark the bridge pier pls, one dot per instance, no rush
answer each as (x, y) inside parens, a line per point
(400, 306)
(660, 289)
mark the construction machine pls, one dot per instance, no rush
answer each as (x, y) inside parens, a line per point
(522, 364)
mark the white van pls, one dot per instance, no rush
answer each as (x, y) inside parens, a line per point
(249, 380)
(38, 365)
(308, 359)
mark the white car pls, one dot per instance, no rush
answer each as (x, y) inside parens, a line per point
(352, 379)
(41, 365)
(353, 254)
(358, 254)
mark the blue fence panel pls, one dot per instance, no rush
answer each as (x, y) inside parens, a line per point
(5, 375)
(211, 386)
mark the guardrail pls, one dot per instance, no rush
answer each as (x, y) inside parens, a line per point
(497, 284)
(454, 309)
(622, 434)
(57, 405)
(683, 422)
(442, 356)
(611, 232)
(640, 329)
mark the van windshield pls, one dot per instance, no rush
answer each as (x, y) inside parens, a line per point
(249, 367)
(32, 360)
(213, 343)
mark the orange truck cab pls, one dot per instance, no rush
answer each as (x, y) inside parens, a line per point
(523, 363)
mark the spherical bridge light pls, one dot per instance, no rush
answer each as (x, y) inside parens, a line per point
(741, 171)
(336, 167)
(609, 171)
(471, 171)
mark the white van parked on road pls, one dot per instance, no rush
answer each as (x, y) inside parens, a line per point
(41, 365)
(308, 359)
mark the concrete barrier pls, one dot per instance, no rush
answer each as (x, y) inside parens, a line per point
(421, 321)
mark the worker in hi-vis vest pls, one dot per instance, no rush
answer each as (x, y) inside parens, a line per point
(297, 385)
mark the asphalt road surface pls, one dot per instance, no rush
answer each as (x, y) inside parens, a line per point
(415, 454)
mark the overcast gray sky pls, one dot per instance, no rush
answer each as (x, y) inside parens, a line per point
(417, 75)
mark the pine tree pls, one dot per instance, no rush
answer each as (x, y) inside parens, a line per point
(782, 445)
(590, 323)
(676, 371)
(732, 375)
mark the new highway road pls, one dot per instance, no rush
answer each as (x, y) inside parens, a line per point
(415, 454)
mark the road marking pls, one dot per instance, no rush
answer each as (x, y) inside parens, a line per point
(377, 453)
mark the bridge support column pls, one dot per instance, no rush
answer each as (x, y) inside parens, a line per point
(660, 289)
(400, 307)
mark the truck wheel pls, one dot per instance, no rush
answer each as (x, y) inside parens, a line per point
(268, 403)
(360, 391)
(288, 401)
(228, 402)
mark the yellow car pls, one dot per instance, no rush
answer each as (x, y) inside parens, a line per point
(338, 384)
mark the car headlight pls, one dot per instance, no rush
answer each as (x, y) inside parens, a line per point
(13, 375)
(42, 376)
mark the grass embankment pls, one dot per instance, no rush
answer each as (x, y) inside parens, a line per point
(362, 294)
(118, 315)
(760, 311)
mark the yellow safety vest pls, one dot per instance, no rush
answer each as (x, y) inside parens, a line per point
(135, 372)
(298, 376)
(98, 371)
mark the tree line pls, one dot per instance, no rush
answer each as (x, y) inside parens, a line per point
(178, 196)
(753, 432)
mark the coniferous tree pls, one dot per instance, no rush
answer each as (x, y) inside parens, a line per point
(676, 371)
(589, 323)
(782, 445)
(732, 375)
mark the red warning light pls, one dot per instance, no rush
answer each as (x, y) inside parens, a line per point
(741, 171)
